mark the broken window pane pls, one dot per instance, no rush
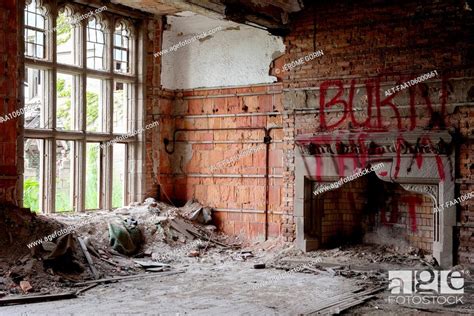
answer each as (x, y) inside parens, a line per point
(65, 101)
(92, 176)
(95, 99)
(121, 106)
(35, 98)
(67, 39)
(118, 179)
(64, 175)
(121, 48)
(32, 182)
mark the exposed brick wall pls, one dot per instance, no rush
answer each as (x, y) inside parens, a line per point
(342, 213)
(9, 99)
(236, 157)
(409, 219)
(371, 46)
(406, 218)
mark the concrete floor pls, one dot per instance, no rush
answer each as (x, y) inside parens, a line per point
(230, 288)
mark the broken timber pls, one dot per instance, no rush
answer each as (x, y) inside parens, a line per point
(345, 301)
(88, 258)
(130, 277)
(37, 298)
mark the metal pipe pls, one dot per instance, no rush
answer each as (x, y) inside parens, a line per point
(231, 95)
(167, 141)
(224, 115)
(206, 175)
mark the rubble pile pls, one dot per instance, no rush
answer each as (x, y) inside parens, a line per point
(142, 237)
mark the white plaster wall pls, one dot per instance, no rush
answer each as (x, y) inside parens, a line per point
(236, 55)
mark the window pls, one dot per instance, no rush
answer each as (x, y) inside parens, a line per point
(95, 45)
(67, 38)
(121, 51)
(35, 30)
(80, 97)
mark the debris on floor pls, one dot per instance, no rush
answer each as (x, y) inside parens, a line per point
(146, 236)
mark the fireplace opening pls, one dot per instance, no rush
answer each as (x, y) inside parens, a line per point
(369, 210)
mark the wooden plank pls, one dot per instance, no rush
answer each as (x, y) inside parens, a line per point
(345, 305)
(343, 298)
(88, 258)
(175, 225)
(37, 298)
(86, 288)
(209, 239)
(129, 277)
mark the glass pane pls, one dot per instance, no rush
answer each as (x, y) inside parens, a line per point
(66, 41)
(64, 175)
(35, 98)
(39, 52)
(95, 99)
(65, 101)
(92, 36)
(40, 21)
(117, 40)
(120, 111)
(100, 37)
(118, 179)
(92, 176)
(30, 19)
(40, 38)
(32, 188)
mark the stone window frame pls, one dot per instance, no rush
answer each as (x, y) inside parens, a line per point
(134, 179)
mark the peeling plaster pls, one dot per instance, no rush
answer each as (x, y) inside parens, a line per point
(237, 55)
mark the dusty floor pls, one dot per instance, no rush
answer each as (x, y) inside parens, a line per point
(217, 280)
(231, 288)
(220, 288)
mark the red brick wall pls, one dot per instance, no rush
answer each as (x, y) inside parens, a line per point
(343, 210)
(9, 99)
(237, 190)
(407, 218)
(375, 45)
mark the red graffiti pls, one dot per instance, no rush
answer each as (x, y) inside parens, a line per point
(412, 201)
(375, 91)
(335, 100)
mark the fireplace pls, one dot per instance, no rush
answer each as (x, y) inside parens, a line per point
(393, 204)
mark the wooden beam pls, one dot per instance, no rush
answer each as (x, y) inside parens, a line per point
(37, 298)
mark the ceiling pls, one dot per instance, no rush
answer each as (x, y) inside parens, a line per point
(272, 15)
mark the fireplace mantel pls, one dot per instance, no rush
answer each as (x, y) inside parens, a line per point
(420, 161)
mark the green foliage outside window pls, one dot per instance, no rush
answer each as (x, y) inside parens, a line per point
(31, 194)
